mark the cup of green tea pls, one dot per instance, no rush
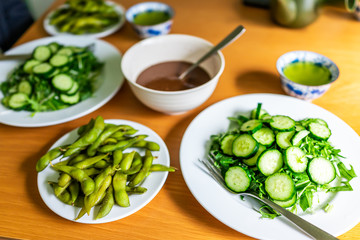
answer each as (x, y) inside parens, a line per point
(306, 75)
(150, 19)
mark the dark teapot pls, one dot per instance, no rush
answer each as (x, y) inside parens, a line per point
(294, 13)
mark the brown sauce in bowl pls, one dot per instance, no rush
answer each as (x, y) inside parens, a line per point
(164, 76)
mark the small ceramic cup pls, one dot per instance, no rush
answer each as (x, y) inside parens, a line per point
(301, 91)
(146, 31)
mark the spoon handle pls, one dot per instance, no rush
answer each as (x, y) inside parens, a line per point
(307, 227)
(236, 33)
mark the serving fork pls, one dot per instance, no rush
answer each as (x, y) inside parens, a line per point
(305, 226)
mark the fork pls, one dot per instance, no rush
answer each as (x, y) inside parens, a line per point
(307, 227)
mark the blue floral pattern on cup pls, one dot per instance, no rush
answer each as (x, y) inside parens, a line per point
(297, 90)
(153, 30)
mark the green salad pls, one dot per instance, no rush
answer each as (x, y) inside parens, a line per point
(55, 77)
(281, 159)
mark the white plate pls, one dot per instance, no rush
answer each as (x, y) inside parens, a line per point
(51, 29)
(108, 83)
(153, 182)
(239, 214)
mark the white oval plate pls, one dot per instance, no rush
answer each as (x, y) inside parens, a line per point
(153, 182)
(107, 85)
(239, 214)
(51, 29)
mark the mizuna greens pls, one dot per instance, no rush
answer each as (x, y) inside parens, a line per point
(260, 152)
(55, 77)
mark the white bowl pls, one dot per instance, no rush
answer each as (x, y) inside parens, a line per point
(172, 47)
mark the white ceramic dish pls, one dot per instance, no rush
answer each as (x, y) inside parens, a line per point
(239, 214)
(153, 182)
(51, 29)
(107, 85)
(171, 47)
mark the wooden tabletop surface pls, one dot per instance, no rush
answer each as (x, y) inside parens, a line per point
(250, 68)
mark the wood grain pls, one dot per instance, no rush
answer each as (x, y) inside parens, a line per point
(250, 68)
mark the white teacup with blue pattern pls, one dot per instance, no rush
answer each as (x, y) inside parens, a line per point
(301, 91)
(146, 31)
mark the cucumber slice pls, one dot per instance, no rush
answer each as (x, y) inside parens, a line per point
(54, 47)
(244, 146)
(319, 131)
(73, 89)
(280, 186)
(288, 203)
(43, 69)
(264, 136)
(70, 99)
(253, 160)
(25, 87)
(237, 179)
(283, 139)
(226, 143)
(66, 51)
(42, 53)
(59, 60)
(270, 161)
(262, 113)
(299, 127)
(298, 137)
(251, 126)
(29, 64)
(282, 123)
(296, 159)
(62, 82)
(321, 171)
(18, 100)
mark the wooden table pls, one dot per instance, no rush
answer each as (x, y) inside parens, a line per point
(250, 68)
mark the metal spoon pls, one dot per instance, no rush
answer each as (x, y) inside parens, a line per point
(235, 34)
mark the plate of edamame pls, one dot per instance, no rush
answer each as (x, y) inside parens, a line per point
(153, 183)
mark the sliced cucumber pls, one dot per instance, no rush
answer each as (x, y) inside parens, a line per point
(70, 99)
(283, 139)
(66, 51)
(319, 131)
(237, 179)
(42, 53)
(18, 100)
(25, 87)
(59, 60)
(288, 203)
(296, 159)
(253, 160)
(244, 146)
(262, 113)
(270, 161)
(282, 123)
(226, 143)
(251, 126)
(298, 137)
(280, 186)
(29, 64)
(62, 82)
(321, 171)
(299, 127)
(54, 47)
(43, 69)
(265, 136)
(75, 87)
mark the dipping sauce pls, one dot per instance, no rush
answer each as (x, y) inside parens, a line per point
(164, 76)
(151, 18)
(308, 73)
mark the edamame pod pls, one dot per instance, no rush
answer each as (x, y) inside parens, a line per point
(120, 195)
(140, 176)
(161, 168)
(107, 203)
(121, 145)
(108, 131)
(89, 161)
(44, 161)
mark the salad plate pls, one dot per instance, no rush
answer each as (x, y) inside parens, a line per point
(153, 182)
(241, 215)
(107, 85)
(120, 10)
